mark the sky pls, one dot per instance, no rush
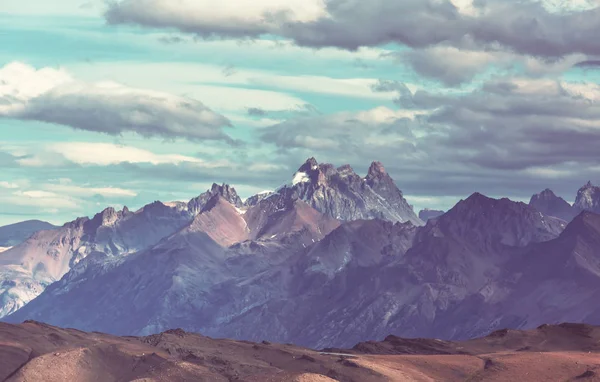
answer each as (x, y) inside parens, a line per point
(113, 103)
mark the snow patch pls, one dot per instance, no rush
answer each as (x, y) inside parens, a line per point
(4, 249)
(300, 177)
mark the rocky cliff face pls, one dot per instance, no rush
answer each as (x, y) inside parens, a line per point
(551, 205)
(588, 198)
(344, 195)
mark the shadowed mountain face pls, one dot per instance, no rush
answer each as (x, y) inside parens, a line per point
(35, 352)
(15, 234)
(551, 205)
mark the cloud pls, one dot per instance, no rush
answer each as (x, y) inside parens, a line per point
(104, 154)
(450, 65)
(53, 96)
(8, 185)
(530, 27)
(44, 200)
(243, 18)
(84, 191)
(509, 136)
(345, 132)
(257, 112)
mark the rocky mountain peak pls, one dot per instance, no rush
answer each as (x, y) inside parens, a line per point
(588, 198)
(344, 195)
(226, 191)
(346, 170)
(545, 194)
(376, 170)
(488, 220)
(309, 166)
(108, 217)
(549, 204)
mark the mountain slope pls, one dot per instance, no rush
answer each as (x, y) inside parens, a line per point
(44, 258)
(17, 233)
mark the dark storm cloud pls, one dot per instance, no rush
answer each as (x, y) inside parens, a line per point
(525, 27)
(589, 64)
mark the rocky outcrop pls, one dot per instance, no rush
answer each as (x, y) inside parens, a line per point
(344, 195)
(588, 198)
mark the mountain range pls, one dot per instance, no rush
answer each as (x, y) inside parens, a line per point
(328, 260)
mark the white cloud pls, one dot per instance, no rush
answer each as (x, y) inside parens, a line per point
(253, 17)
(258, 167)
(52, 95)
(44, 200)
(104, 154)
(8, 185)
(81, 191)
(231, 93)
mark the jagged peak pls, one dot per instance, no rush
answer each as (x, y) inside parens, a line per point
(346, 171)
(310, 164)
(477, 196)
(376, 170)
(224, 187)
(546, 194)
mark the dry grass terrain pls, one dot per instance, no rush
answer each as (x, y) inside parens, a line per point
(34, 351)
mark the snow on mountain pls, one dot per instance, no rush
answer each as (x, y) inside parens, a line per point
(588, 198)
(343, 195)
